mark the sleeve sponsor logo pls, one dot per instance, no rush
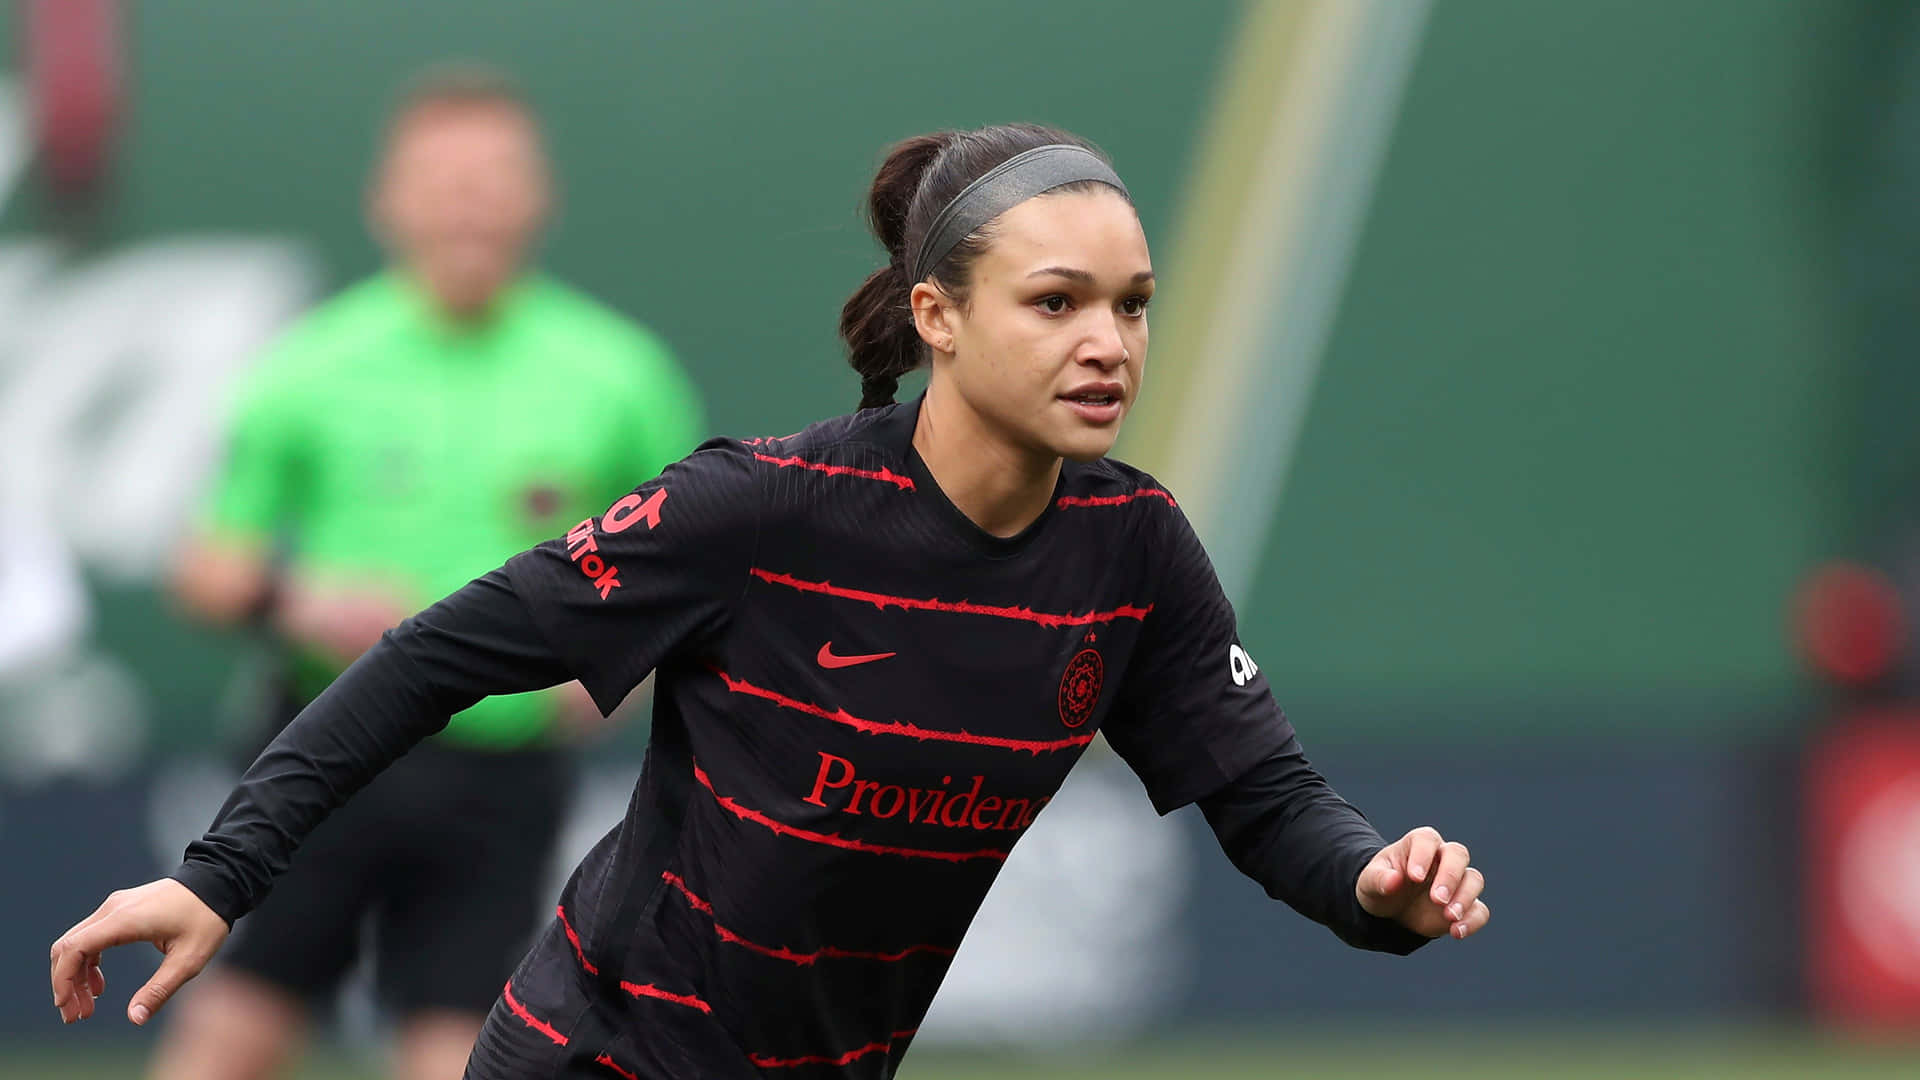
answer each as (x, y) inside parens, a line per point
(1241, 665)
(584, 549)
(621, 515)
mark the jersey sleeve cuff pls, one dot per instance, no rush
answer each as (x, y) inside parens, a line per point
(1364, 930)
(213, 889)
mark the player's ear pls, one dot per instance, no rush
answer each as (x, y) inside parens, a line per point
(934, 316)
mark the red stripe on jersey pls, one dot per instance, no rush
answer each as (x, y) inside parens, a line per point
(607, 1060)
(961, 607)
(533, 1021)
(651, 991)
(780, 828)
(769, 440)
(1067, 501)
(911, 731)
(574, 940)
(636, 989)
(802, 959)
(904, 483)
(766, 1062)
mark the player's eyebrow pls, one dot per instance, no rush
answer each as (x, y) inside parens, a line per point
(1083, 277)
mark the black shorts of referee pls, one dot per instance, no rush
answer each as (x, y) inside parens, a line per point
(440, 866)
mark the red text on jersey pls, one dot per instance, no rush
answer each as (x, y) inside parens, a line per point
(941, 806)
(584, 551)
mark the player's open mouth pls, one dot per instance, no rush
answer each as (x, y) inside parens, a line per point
(1100, 404)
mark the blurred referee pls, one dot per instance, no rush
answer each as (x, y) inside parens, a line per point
(407, 436)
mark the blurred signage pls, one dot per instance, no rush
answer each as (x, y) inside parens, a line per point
(1863, 838)
(114, 368)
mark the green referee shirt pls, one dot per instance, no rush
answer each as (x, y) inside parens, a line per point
(381, 442)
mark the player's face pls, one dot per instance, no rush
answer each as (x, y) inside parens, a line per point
(1052, 344)
(460, 197)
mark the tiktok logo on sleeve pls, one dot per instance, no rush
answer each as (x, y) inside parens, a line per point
(584, 550)
(621, 515)
(1241, 665)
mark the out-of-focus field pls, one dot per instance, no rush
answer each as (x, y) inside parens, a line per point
(1391, 1054)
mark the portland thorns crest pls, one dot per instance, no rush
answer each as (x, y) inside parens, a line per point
(1080, 687)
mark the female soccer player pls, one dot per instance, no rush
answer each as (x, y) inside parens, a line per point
(881, 644)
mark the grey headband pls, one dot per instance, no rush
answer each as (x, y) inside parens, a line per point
(1004, 187)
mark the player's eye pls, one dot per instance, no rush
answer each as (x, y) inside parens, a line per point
(1134, 306)
(1053, 305)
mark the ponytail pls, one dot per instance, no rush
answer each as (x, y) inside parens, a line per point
(877, 320)
(882, 344)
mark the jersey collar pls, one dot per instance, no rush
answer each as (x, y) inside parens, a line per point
(894, 431)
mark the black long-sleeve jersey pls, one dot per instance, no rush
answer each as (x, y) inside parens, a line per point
(863, 702)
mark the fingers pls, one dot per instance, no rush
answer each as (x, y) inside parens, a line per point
(175, 970)
(85, 943)
(79, 1003)
(1477, 917)
(1423, 844)
(163, 912)
(77, 978)
(1378, 881)
(84, 992)
(92, 984)
(1447, 873)
(69, 964)
(1472, 883)
(71, 998)
(93, 987)
(63, 986)
(1387, 878)
(1452, 905)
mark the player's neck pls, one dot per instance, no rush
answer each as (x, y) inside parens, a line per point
(1000, 487)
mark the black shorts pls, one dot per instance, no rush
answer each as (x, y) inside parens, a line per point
(444, 858)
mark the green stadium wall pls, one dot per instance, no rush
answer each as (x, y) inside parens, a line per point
(1573, 433)
(1574, 436)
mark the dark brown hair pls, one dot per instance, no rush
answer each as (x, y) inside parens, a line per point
(915, 182)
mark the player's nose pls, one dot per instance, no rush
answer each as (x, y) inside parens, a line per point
(1103, 347)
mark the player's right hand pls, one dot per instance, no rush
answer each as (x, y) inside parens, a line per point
(185, 930)
(338, 620)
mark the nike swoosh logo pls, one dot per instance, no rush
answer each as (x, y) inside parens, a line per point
(828, 659)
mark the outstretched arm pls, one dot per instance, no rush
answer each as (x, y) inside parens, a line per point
(605, 604)
(479, 641)
(1284, 827)
(1198, 722)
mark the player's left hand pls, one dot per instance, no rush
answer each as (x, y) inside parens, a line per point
(1426, 884)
